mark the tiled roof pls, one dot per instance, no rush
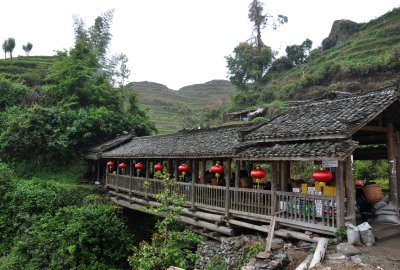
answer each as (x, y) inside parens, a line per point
(96, 152)
(325, 119)
(214, 142)
(316, 150)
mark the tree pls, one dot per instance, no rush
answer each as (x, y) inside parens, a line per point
(27, 48)
(297, 54)
(10, 45)
(5, 48)
(251, 59)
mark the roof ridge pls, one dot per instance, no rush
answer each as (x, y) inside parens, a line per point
(392, 88)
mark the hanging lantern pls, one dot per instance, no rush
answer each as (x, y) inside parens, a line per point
(258, 174)
(217, 169)
(138, 167)
(122, 166)
(110, 165)
(183, 168)
(322, 175)
(158, 167)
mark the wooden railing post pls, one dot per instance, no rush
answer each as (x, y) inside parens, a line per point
(130, 177)
(339, 196)
(227, 186)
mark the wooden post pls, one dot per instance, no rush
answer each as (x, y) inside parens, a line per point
(147, 168)
(227, 186)
(202, 168)
(350, 191)
(176, 172)
(170, 167)
(397, 154)
(273, 187)
(393, 188)
(285, 174)
(278, 175)
(98, 171)
(237, 173)
(130, 176)
(339, 195)
(194, 169)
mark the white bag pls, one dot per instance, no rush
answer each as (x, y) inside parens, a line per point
(353, 234)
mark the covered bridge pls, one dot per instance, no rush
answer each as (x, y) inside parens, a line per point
(333, 130)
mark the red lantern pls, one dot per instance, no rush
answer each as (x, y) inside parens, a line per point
(183, 168)
(258, 173)
(217, 169)
(122, 166)
(158, 167)
(110, 165)
(138, 167)
(322, 175)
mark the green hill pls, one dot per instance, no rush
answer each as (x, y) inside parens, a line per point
(172, 110)
(354, 57)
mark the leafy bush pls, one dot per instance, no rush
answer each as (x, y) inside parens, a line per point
(86, 237)
(170, 245)
(216, 263)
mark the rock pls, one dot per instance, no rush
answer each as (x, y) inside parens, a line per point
(336, 256)
(347, 249)
(263, 255)
(303, 244)
(327, 268)
(341, 30)
(357, 259)
(277, 243)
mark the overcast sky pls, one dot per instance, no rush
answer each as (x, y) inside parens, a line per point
(177, 42)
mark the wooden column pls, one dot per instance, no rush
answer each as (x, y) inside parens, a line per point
(339, 195)
(285, 174)
(194, 169)
(227, 187)
(237, 173)
(147, 168)
(393, 188)
(273, 187)
(170, 166)
(176, 172)
(350, 191)
(98, 171)
(278, 175)
(202, 169)
(130, 174)
(397, 154)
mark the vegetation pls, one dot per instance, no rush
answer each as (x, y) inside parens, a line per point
(367, 59)
(75, 108)
(8, 47)
(251, 59)
(27, 48)
(171, 245)
(58, 225)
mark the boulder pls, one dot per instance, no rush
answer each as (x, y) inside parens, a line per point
(341, 30)
(347, 249)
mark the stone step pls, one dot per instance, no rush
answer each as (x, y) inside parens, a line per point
(385, 231)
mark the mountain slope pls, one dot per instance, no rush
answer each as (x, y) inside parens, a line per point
(171, 110)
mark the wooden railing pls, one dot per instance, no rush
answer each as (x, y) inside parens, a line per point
(297, 209)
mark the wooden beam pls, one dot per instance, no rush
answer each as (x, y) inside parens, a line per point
(339, 195)
(375, 129)
(350, 191)
(370, 138)
(370, 153)
(393, 187)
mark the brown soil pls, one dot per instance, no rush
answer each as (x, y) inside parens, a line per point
(384, 254)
